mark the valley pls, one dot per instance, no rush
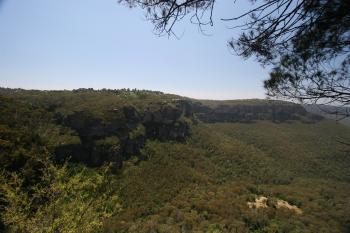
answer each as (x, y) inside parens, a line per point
(145, 161)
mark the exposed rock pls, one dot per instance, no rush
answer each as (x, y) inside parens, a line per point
(106, 153)
(161, 121)
(74, 152)
(177, 131)
(286, 205)
(250, 113)
(130, 129)
(95, 154)
(87, 126)
(262, 202)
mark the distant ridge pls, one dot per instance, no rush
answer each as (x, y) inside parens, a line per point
(339, 114)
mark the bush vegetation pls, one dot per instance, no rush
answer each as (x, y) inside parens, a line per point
(201, 184)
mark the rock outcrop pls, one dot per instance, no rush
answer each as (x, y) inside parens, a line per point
(123, 132)
(117, 134)
(252, 112)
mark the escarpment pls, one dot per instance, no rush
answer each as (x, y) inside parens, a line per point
(122, 132)
(97, 126)
(262, 110)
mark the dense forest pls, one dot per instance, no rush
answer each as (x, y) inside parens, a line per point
(144, 161)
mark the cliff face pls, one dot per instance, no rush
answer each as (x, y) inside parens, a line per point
(94, 127)
(252, 112)
(123, 131)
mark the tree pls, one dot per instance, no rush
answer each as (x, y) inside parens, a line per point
(65, 199)
(305, 43)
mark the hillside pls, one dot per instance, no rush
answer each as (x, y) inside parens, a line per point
(339, 114)
(144, 161)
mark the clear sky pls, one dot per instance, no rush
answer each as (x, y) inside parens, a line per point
(68, 44)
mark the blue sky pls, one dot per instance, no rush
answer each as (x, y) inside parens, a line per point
(67, 44)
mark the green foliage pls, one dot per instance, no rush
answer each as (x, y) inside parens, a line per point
(202, 184)
(67, 199)
(54, 135)
(97, 102)
(108, 141)
(139, 131)
(214, 228)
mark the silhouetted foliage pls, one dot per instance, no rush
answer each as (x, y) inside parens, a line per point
(305, 42)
